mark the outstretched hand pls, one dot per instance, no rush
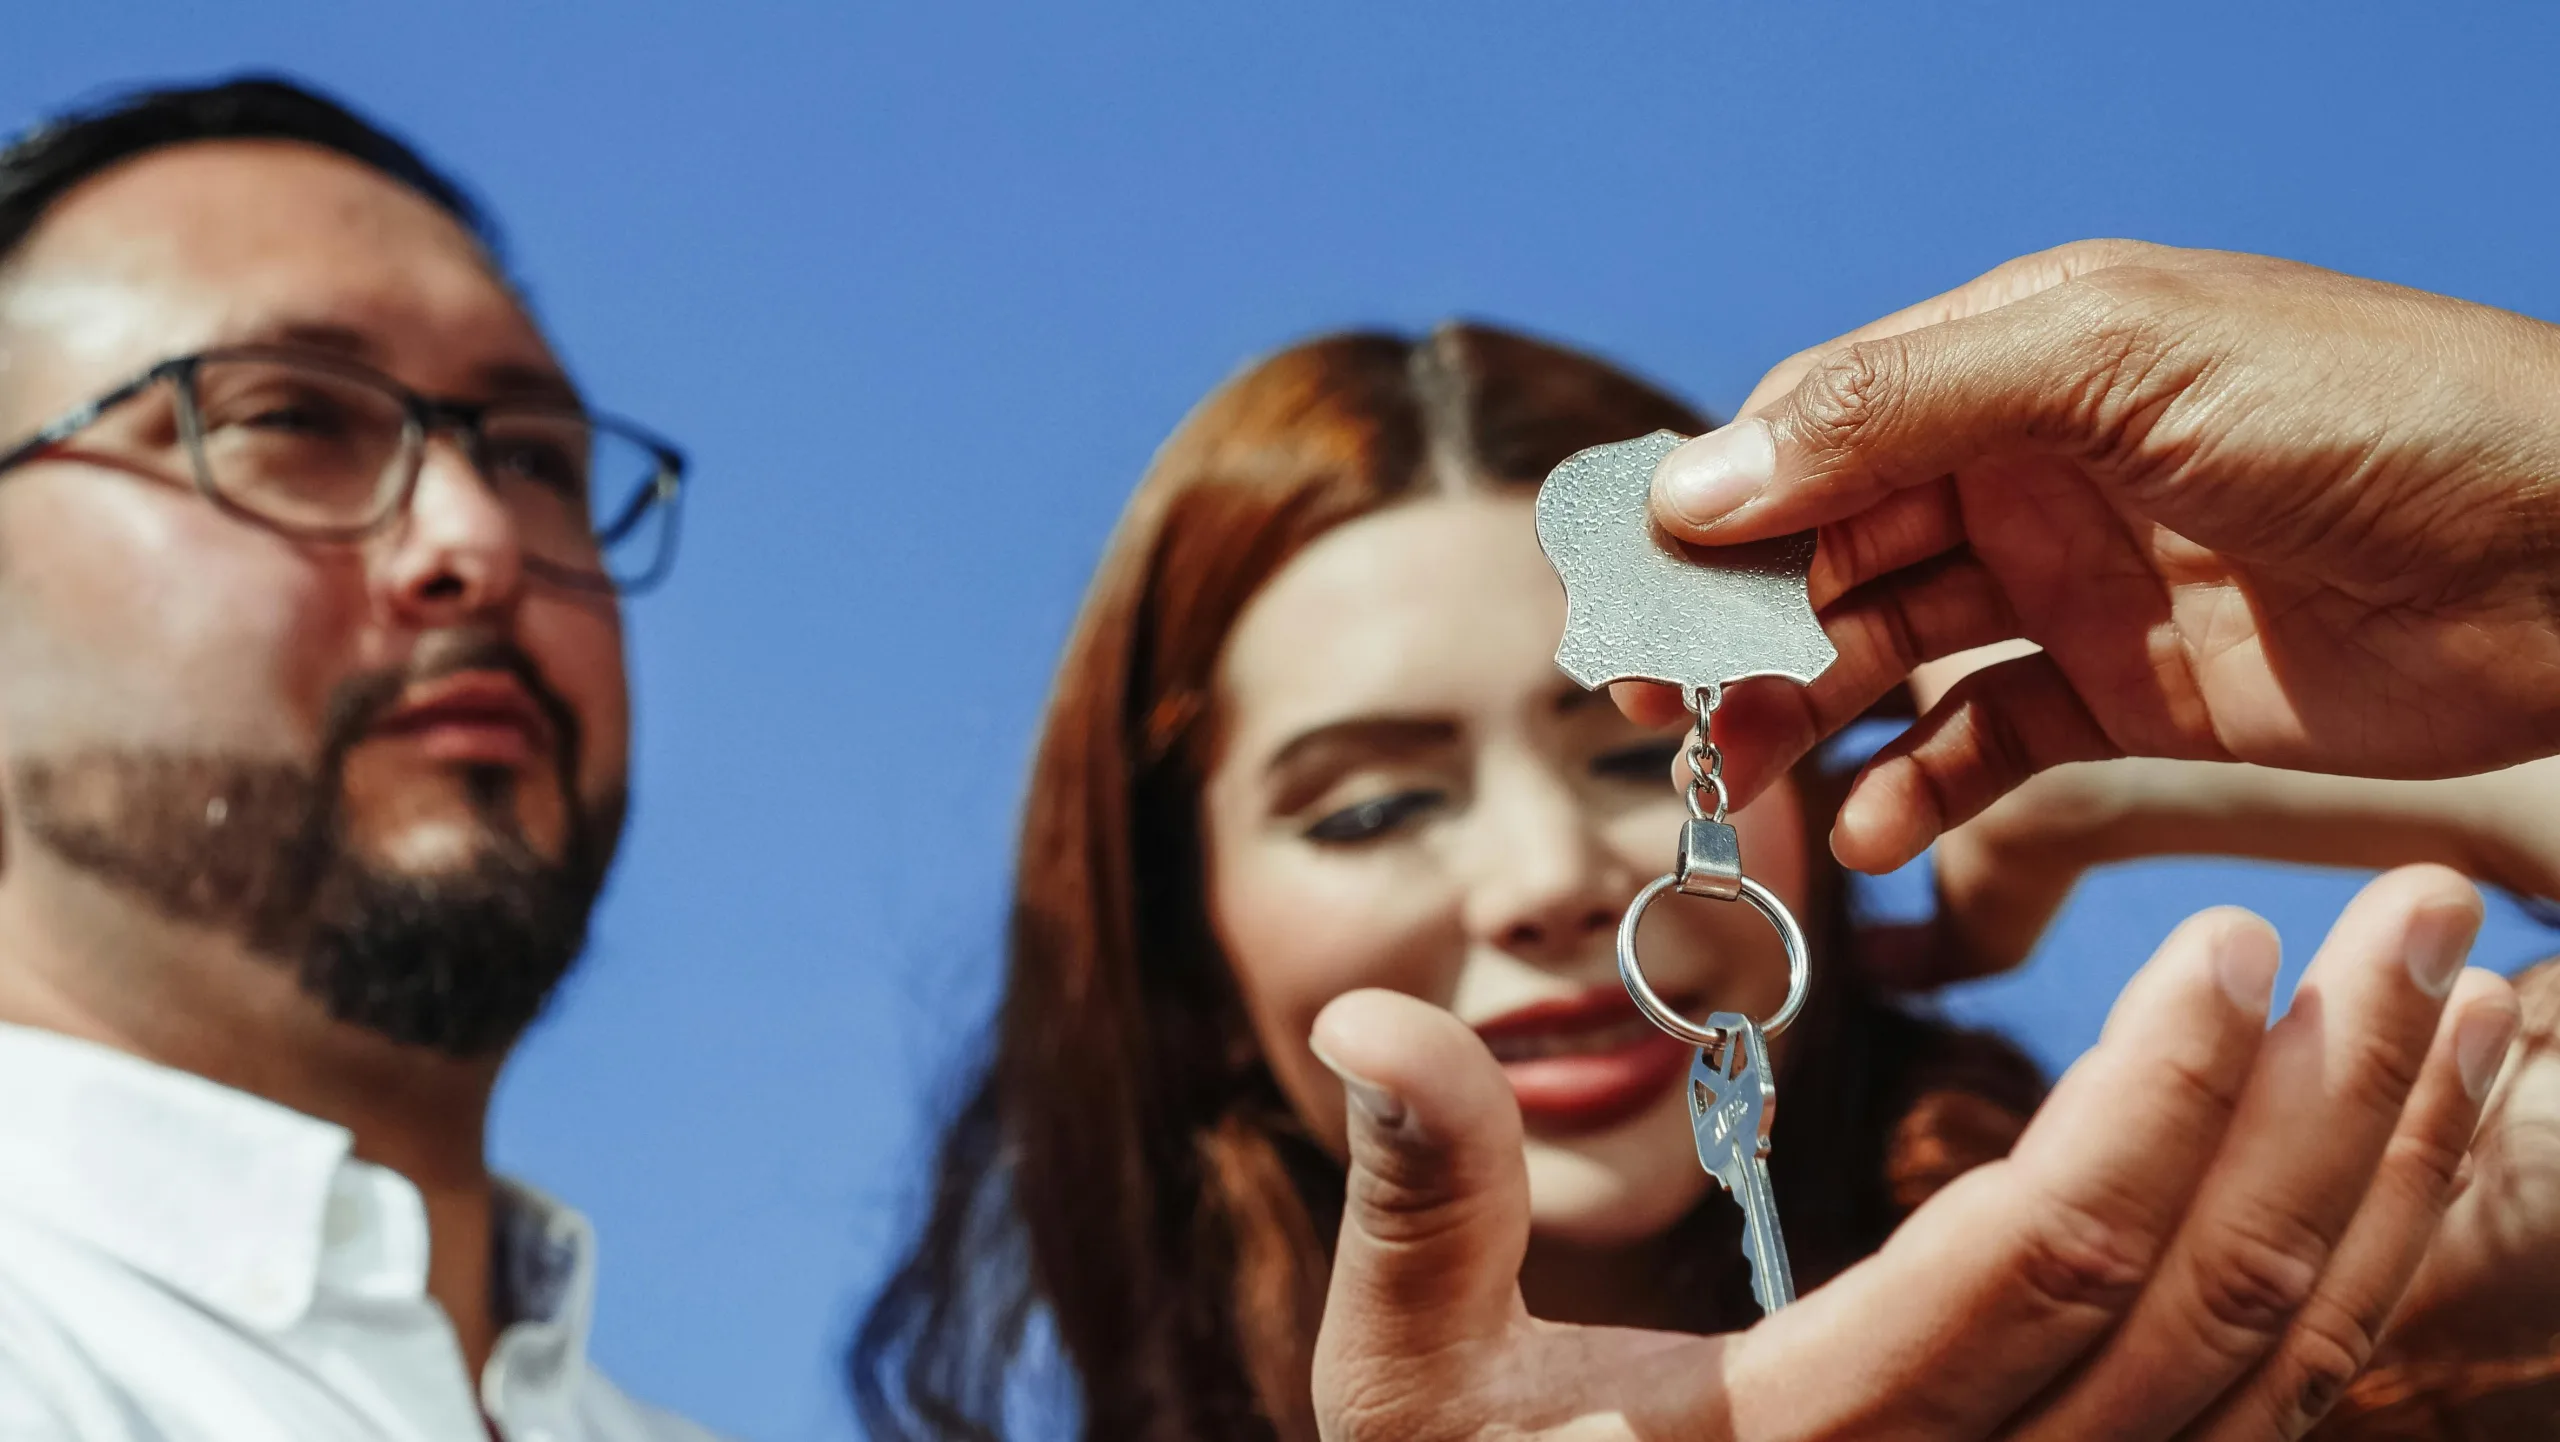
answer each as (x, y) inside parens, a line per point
(2250, 510)
(2201, 1233)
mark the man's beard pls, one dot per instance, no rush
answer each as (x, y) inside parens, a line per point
(459, 960)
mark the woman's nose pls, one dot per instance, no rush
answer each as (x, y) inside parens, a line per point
(1547, 881)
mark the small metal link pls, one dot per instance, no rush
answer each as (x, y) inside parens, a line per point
(1706, 759)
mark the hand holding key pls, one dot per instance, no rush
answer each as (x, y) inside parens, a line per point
(2200, 1234)
(2250, 510)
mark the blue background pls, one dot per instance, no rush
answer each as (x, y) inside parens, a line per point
(923, 285)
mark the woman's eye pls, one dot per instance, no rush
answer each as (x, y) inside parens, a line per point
(1648, 764)
(1373, 818)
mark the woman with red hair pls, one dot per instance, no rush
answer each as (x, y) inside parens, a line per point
(1308, 737)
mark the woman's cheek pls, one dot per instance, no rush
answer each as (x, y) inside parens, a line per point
(1302, 926)
(1302, 930)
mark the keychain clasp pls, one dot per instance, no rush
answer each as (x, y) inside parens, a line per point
(1710, 865)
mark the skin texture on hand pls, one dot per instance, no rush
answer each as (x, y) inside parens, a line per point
(2475, 1328)
(2490, 1287)
(2003, 876)
(2200, 1234)
(2249, 510)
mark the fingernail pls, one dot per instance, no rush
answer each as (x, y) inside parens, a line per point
(1861, 814)
(1706, 478)
(1376, 1102)
(2439, 938)
(2480, 1043)
(2246, 965)
(1873, 833)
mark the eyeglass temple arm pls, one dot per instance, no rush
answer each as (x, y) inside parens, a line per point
(65, 427)
(661, 488)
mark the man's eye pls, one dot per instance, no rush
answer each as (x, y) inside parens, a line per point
(548, 466)
(293, 415)
(1648, 764)
(1376, 817)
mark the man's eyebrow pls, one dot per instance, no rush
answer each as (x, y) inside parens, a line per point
(499, 380)
(516, 382)
(316, 335)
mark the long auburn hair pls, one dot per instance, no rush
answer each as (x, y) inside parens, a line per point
(1126, 1164)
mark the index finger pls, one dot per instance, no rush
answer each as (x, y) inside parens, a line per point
(2010, 281)
(2324, 1101)
(2013, 1272)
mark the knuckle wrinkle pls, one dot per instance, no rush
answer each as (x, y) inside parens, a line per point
(2256, 1277)
(1838, 398)
(2074, 1260)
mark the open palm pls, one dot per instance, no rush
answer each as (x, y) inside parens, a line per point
(2164, 1254)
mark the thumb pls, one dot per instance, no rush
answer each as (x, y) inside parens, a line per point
(1436, 1219)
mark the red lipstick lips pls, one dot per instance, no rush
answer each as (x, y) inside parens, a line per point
(1583, 1063)
(483, 718)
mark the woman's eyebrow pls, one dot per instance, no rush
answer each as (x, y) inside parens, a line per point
(1358, 738)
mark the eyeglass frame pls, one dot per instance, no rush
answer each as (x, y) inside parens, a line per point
(423, 417)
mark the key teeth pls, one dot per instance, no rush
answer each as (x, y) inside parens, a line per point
(1727, 1095)
(1761, 1293)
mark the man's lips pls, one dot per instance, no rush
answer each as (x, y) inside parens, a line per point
(472, 717)
(1586, 1062)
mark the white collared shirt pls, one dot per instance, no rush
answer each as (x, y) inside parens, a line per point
(181, 1262)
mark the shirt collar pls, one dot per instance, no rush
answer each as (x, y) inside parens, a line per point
(546, 1288)
(252, 1209)
(218, 1194)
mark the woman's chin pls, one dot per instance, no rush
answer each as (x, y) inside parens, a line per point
(1625, 1185)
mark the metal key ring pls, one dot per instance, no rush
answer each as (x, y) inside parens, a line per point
(1799, 965)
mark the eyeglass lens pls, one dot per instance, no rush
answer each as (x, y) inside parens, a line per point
(320, 451)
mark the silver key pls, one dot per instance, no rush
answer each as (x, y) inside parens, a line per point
(1640, 606)
(1732, 1102)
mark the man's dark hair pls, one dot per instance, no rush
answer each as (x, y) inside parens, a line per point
(60, 153)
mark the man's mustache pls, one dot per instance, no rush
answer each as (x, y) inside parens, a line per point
(358, 704)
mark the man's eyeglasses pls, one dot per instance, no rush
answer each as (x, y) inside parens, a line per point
(329, 450)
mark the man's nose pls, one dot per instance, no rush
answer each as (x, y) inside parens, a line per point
(1547, 881)
(456, 552)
